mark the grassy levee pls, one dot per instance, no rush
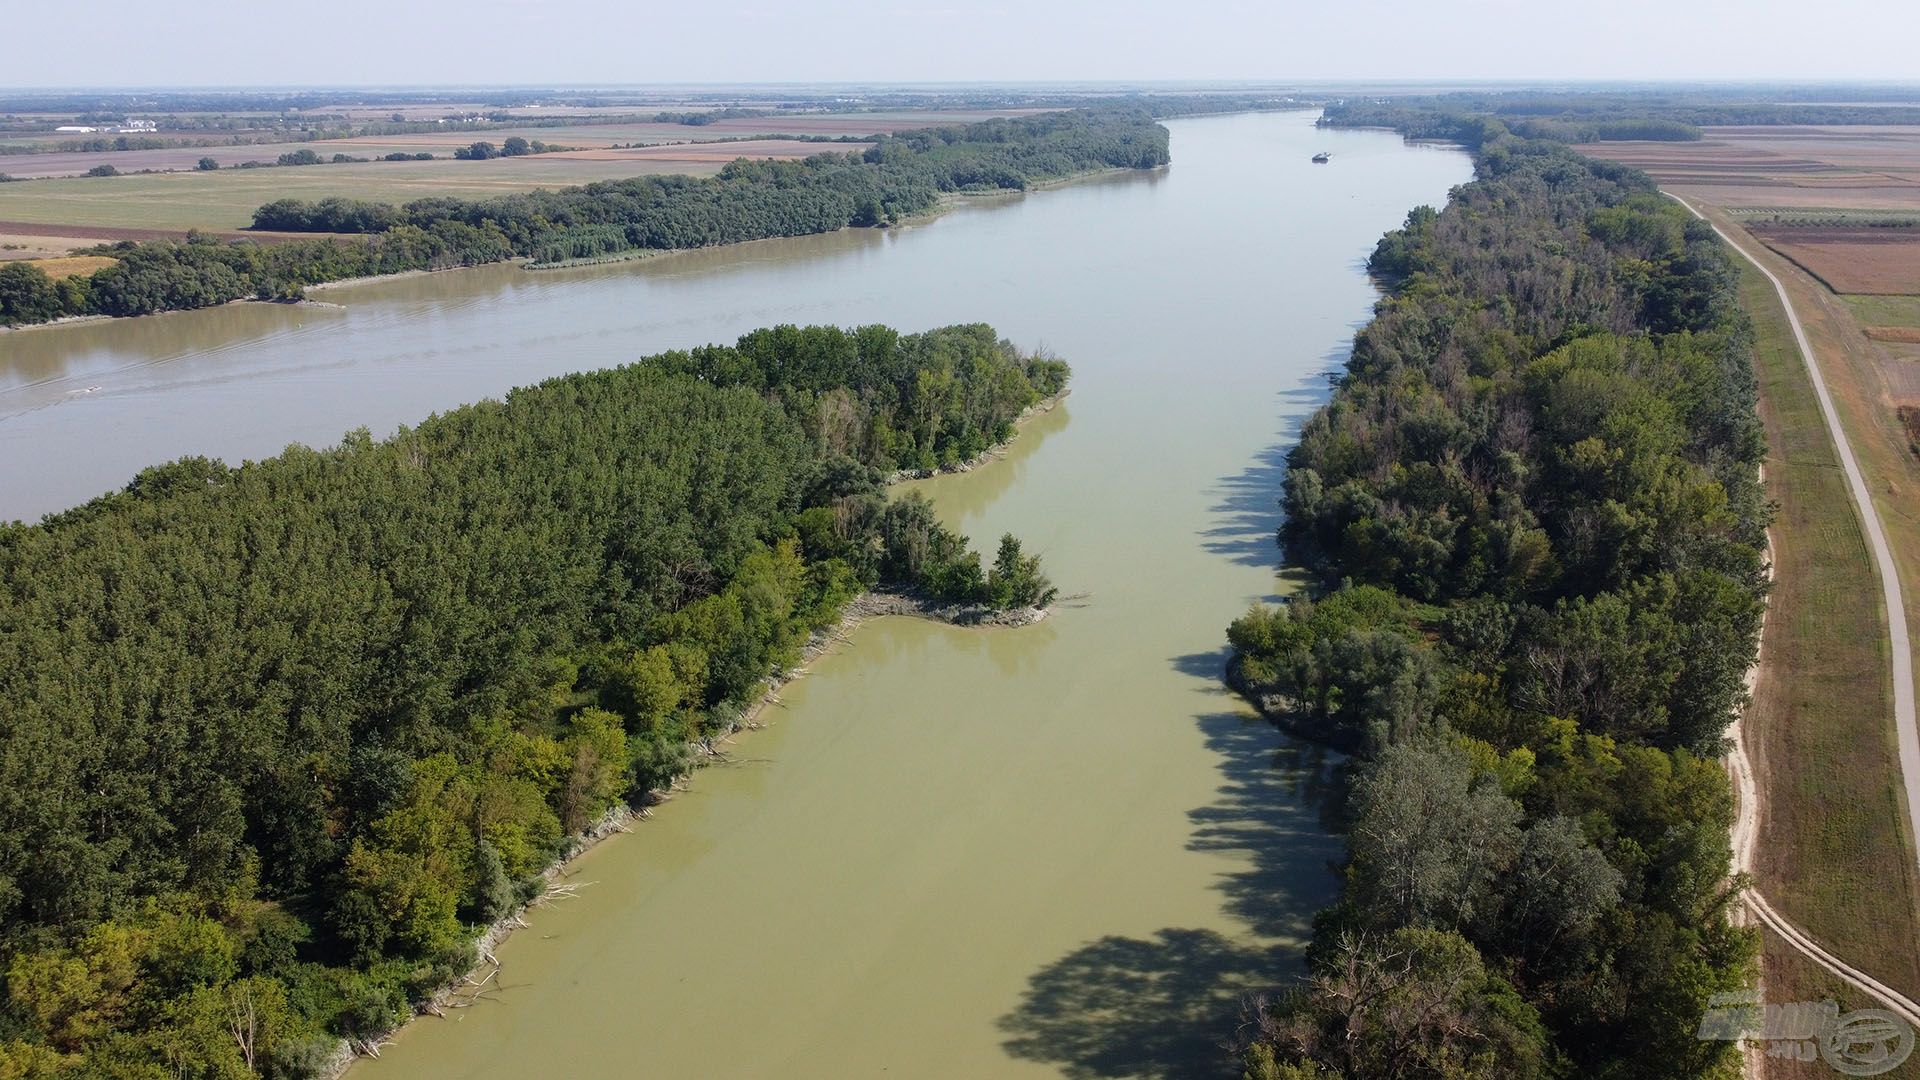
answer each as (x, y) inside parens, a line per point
(1833, 853)
(1791, 977)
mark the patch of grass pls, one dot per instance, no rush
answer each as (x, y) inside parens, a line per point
(1833, 853)
(1885, 310)
(82, 265)
(1788, 977)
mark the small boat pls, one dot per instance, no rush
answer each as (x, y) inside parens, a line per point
(1322, 158)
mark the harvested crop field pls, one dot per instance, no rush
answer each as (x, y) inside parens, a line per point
(586, 135)
(1902, 378)
(225, 200)
(1869, 167)
(35, 242)
(651, 158)
(58, 240)
(1868, 261)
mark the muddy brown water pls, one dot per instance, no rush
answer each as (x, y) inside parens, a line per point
(1060, 850)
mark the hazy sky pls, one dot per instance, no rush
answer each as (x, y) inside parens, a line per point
(392, 42)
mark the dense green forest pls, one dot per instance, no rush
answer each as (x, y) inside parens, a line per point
(277, 740)
(1532, 503)
(1434, 118)
(900, 175)
(1610, 115)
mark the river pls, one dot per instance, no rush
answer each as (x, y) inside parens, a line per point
(1060, 850)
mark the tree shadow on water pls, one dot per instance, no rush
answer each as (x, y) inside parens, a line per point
(1211, 666)
(1129, 1007)
(1247, 515)
(1276, 817)
(1165, 1006)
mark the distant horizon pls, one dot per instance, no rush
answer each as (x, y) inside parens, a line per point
(1353, 84)
(214, 44)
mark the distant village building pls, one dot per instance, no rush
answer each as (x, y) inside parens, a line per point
(130, 127)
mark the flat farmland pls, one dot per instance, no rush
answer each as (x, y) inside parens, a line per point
(1893, 322)
(1842, 203)
(587, 134)
(591, 135)
(1865, 167)
(701, 156)
(226, 199)
(1866, 261)
(34, 242)
(779, 120)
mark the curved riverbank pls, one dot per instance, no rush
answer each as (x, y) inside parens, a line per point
(704, 750)
(708, 751)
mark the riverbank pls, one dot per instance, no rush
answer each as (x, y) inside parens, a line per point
(946, 203)
(943, 204)
(403, 275)
(707, 751)
(992, 453)
(77, 320)
(703, 751)
(64, 320)
(1056, 182)
(642, 254)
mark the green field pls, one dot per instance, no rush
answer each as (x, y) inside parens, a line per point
(1789, 977)
(1885, 310)
(1833, 857)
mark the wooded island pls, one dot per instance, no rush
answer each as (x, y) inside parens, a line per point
(282, 738)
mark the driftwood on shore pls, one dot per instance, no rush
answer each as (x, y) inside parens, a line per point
(868, 605)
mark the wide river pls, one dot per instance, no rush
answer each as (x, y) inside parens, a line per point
(1061, 850)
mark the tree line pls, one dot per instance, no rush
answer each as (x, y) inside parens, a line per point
(901, 175)
(1608, 116)
(1533, 507)
(276, 740)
